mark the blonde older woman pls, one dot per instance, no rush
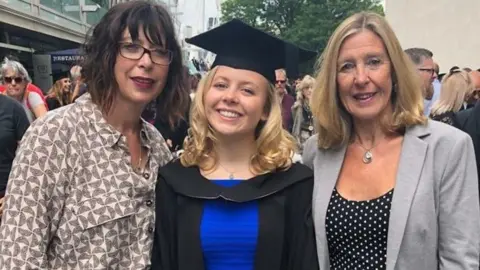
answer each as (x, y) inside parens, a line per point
(457, 86)
(302, 115)
(393, 190)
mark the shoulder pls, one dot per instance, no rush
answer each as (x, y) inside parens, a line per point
(309, 150)
(158, 144)
(59, 123)
(35, 98)
(289, 98)
(441, 138)
(300, 176)
(175, 170)
(466, 112)
(34, 88)
(8, 102)
(462, 116)
(152, 131)
(441, 132)
(297, 170)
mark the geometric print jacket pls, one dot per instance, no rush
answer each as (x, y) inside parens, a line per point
(73, 200)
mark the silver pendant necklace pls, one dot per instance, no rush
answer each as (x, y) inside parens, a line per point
(368, 155)
(231, 175)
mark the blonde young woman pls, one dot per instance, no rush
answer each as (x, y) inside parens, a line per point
(302, 115)
(59, 95)
(393, 190)
(234, 200)
(456, 88)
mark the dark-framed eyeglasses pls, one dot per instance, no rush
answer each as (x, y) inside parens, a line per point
(429, 70)
(281, 81)
(9, 80)
(135, 51)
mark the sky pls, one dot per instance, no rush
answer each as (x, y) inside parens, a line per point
(191, 13)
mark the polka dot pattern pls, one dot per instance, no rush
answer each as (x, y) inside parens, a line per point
(357, 232)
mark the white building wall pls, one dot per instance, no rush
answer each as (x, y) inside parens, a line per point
(449, 28)
(193, 17)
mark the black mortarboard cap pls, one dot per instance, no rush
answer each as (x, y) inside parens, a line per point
(60, 74)
(238, 45)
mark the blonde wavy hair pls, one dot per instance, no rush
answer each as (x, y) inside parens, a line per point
(275, 146)
(307, 81)
(57, 92)
(456, 87)
(332, 122)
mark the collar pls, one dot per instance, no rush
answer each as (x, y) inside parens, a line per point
(419, 131)
(189, 182)
(108, 134)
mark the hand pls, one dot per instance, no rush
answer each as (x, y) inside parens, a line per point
(169, 143)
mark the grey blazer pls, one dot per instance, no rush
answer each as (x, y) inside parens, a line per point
(435, 216)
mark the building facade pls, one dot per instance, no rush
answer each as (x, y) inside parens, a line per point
(32, 29)
(450, 29)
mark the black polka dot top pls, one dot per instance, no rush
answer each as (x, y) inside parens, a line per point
(357, 232)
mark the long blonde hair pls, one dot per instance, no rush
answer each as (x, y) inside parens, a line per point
(332, 121)
(275, 146)
(456, 86)
(306, 82)
(64, 98)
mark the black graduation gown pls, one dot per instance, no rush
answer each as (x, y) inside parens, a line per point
(286, 237)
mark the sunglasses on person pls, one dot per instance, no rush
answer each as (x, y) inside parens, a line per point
(281, 81)
(9, 80)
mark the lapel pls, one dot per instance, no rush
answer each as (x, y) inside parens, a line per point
(327, 168)
(410, 167)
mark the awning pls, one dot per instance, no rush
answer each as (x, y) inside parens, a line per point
(70, 56)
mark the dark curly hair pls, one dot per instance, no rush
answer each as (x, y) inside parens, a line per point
(101, 50)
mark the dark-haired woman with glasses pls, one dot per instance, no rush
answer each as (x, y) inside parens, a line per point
(81, 191)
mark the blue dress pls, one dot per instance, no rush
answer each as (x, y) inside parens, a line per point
(229, 232)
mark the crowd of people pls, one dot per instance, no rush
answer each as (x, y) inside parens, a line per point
(130, 162)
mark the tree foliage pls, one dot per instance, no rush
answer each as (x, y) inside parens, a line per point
(307, 23)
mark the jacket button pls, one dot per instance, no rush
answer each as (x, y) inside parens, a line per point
(146, 175)
(149, 203)
(150, 229)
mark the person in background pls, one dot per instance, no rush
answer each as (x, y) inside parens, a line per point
(457, 86)
(436, 86)
(16, 79)
(84, 176)
(234, 200)
(422, 59)
(60, 94)
(30, 86)
(173, 133)
(78, 88)
(469, 120)
(13, 124)
(285, 99)
(302, 115)
(474, 96)
(393, 189)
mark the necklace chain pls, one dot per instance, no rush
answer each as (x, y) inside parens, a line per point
(231, 175)
(368, 155)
